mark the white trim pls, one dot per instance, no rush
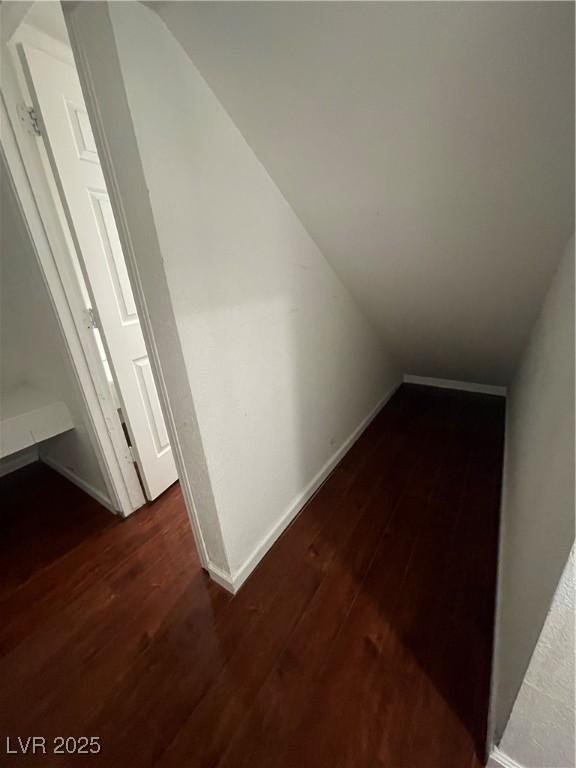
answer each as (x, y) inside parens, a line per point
(27, 164)
(110, 175)
(18, 460)
(499, 759)
(234, 581)
(69, 474)
(464, 386)
(222, 578)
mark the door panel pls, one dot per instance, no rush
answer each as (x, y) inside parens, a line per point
(74, 158)
(82, 132)
(114, 256)
(152, 404)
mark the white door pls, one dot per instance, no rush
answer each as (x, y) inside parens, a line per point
(74, 158)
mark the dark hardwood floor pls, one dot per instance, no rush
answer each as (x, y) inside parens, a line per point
(363, 639)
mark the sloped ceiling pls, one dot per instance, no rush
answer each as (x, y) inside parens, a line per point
(427, 148)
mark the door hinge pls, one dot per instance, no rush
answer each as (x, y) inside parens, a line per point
(29, 119)
(92, 319)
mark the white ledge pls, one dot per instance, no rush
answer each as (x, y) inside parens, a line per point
(29, 416)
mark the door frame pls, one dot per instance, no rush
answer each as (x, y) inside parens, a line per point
(119, 208)
(57, 97)
(36, 192)
(73, 320)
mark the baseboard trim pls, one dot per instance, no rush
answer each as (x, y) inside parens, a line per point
(69, 474)
(233, 582)
(499, 759)
(222, 578)
(18, 460)
(464, 386)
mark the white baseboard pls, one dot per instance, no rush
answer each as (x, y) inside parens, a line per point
(499, 759)
(18, 460)
(233, 582)
(464, 386)
(69, 474)
(222, 578)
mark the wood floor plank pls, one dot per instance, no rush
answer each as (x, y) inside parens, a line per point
(362, 639)
(311, 635)
(357, 673)
(275, 715)
(236, 672)
(415, 699)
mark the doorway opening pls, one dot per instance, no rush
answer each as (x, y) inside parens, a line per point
(100, 319)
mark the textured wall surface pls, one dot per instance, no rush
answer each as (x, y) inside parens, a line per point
(537, 523)
(540, 732)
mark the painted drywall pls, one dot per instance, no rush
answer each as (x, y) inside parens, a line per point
(282, 365)
(541, 729)
(31, 346)
(537, 523)
(428, 148)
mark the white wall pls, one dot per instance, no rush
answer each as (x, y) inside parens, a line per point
(537, 525)
(31, 346)
(541, 729)
(283, 367)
